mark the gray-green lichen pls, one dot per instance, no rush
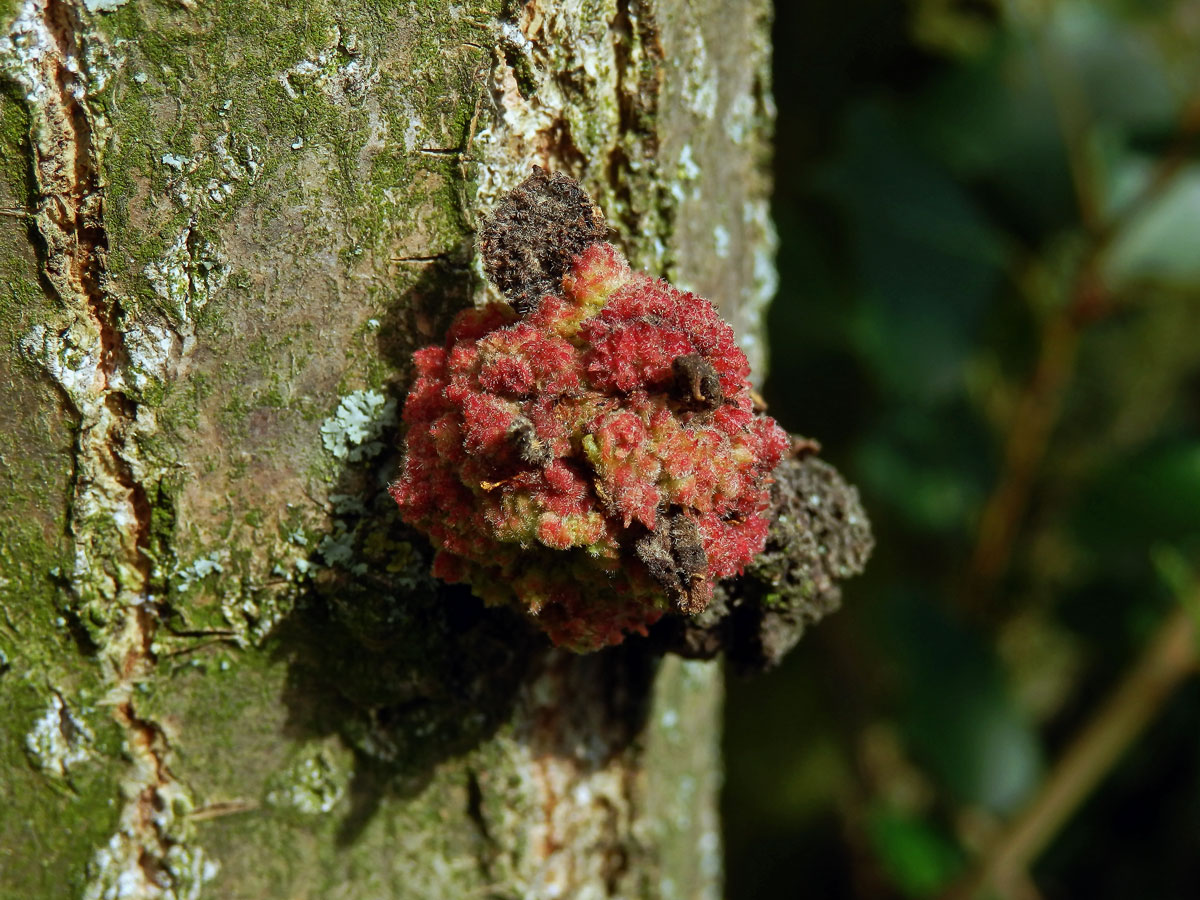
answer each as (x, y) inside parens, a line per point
(353, 432)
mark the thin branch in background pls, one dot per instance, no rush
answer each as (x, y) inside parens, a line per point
(1169, 658)
(1040, 402)
(1033, 420)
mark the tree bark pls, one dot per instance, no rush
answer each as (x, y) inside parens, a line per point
(224, 669)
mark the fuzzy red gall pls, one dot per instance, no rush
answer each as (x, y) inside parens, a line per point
(597, 463)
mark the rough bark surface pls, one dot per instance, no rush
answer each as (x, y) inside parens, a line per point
(224, 225)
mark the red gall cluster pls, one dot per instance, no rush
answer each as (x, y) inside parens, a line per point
(597, 462)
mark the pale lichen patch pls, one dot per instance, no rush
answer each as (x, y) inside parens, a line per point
(24, 50)
(59, 740)
(763, 239)
(103, 5)
(313, 785)
(686, 184)
(700, 85)
(187, 276)
(337, 548)
(741, 119)
(71, 356)
(200, 568)
(151, 349)
(340, 70)
(115, 874)
(721, 239)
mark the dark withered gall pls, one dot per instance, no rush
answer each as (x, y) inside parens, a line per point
(675, 557)
(534, 236)
(531, 448)
(696, 382)
(819, 536)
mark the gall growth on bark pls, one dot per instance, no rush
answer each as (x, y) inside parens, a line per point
(590, 454)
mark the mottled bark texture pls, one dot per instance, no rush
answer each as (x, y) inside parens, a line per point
(224, 225)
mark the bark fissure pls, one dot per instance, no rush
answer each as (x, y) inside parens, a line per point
(477, 817)
(110, 514)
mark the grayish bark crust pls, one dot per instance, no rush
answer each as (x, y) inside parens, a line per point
(224, 671)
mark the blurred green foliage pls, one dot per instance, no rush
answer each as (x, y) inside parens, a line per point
(989, 315)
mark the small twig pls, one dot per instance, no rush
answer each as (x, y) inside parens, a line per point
(434, 257)
(201, 632)
(194, 648)
(222, 808)
(1169, 658)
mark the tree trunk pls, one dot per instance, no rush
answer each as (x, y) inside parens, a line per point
(224, 669)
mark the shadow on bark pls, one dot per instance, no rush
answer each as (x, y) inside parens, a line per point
(407, 679)
(411, 677)
(406, 671)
